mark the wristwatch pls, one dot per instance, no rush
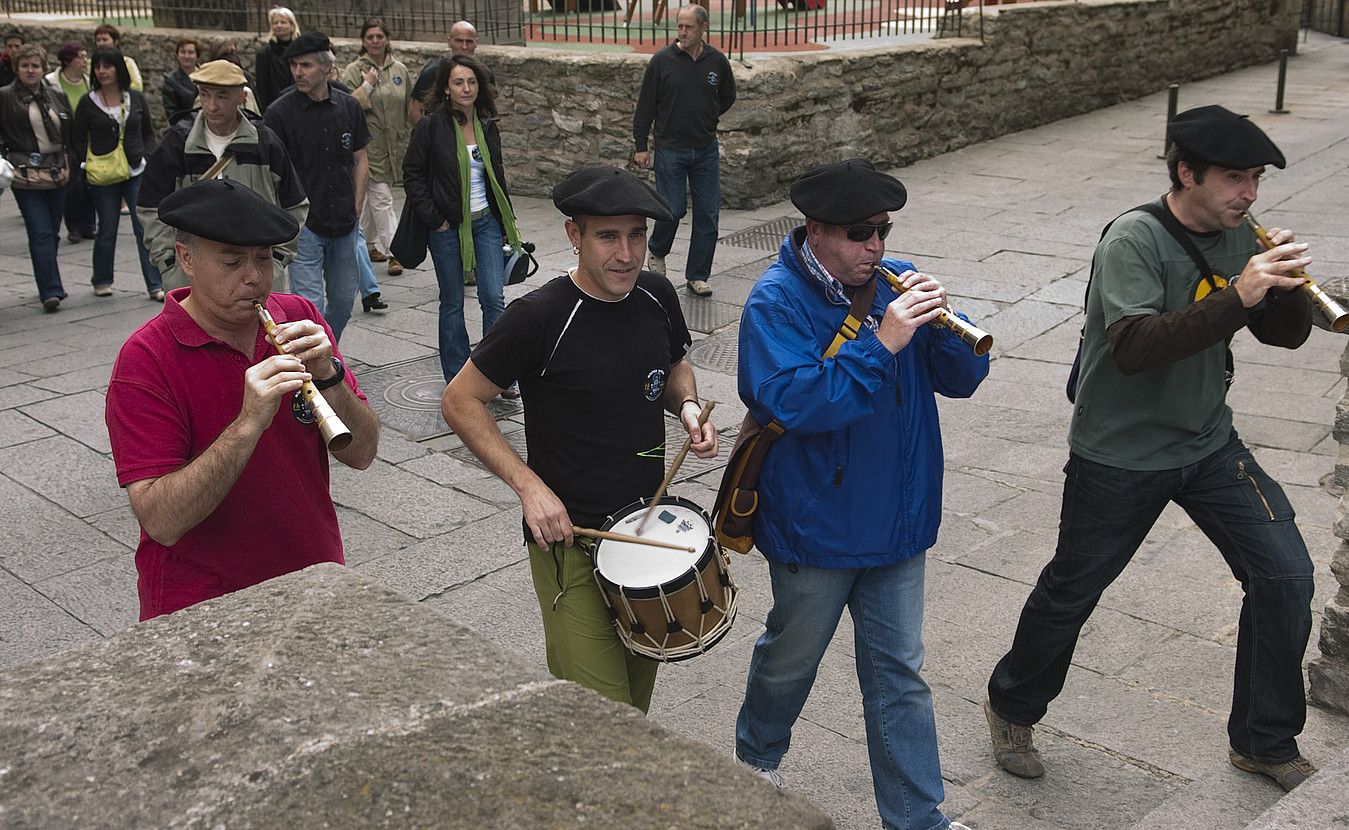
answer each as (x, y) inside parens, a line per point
(340, 373)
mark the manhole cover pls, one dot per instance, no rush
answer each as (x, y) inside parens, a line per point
(718, 353)
(706, 316)
(765, 237)
(406, 397)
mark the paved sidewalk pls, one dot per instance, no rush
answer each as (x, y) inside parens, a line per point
(1136, 740)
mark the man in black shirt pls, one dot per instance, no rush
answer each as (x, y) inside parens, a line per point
(325, 133)
(600, 355)
(687, 87)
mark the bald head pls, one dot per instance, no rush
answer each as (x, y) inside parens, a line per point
(463, 38)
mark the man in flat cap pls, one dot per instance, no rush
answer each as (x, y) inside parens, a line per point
(1171, 283)
(253, 155)
(218, 451)
(601, 354)
(324, 129)
(850, 494)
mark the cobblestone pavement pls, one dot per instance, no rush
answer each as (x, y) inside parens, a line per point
(1136, 740)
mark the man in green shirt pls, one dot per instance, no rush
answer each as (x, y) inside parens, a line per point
(1151, 425)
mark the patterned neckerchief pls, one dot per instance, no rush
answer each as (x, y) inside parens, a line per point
(833, 289)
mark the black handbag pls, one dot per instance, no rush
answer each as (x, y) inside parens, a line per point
(411, 238)
(520, 263)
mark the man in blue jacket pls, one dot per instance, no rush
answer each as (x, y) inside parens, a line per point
(850, 495)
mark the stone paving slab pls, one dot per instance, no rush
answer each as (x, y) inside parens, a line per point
(1010, 225)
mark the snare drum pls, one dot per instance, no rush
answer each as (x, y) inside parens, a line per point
(668, 605)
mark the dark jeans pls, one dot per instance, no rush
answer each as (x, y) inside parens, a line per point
(1106, 514)
(701, 169)
(41, 211)
(79, 207)
(108, 199)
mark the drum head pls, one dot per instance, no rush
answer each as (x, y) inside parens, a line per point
(632, 565)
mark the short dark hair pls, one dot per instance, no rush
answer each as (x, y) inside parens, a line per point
(486, 105)
(108, 56)
(185, 40)
(69, 51)
(373, 23)
(109, 30)
(1175, 154)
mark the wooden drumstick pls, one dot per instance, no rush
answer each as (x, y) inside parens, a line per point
(674, 467)
(623, 537)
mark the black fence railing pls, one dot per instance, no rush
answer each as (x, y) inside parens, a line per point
(1329, 16)
(736, 26)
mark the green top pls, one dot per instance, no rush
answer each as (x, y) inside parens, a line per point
(74, 92)
(386, 114)
(1174, 414)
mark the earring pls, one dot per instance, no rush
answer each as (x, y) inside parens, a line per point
(576, 250)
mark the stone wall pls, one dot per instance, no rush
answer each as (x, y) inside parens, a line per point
(1329, 673)
(322, 699)
(1040, 62)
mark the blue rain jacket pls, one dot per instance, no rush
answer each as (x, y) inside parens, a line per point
(856, 480)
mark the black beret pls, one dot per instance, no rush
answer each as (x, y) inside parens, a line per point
(846, 192)
(1219, 136)
(306, 43)
(604, 190)
(227, 212)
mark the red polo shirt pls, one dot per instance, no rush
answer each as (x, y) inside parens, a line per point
(174, 389)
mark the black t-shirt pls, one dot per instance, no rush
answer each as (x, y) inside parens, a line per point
(321, 138)
(592, 375)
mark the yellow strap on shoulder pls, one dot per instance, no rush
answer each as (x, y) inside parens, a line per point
(848, 331)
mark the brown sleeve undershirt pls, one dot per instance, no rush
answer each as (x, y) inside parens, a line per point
(1151, 340)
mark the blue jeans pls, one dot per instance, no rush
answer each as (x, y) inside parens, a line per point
(702, 170)
(41, 212)
(324, 272)
(368, 284)
(1106, 514)
(491, 273)
(108, 199)
(887, 609)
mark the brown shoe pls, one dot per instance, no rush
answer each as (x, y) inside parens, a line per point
(395, 267)
(1287, 774)
(375, 255)
(700, 288)
(1013, 745)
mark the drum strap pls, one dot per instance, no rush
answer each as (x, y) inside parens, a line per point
(738, 496)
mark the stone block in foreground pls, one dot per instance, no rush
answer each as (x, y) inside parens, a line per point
(323, 699)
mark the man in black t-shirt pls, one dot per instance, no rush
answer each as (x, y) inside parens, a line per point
(600, 355)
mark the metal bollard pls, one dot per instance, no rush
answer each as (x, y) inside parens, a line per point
(1283, 79)
(1172, 104)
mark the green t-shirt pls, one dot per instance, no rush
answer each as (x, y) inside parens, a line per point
(1171, 415)
(74, 92)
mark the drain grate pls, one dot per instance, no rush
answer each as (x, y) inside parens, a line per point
(706, 316)
(406, 397)
(765, 237)
(718, 353)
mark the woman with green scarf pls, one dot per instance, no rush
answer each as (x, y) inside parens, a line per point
(455, 181)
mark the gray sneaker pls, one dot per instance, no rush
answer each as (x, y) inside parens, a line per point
(1013, 745)
(1287, 774)
(656, 265)
(772, 776)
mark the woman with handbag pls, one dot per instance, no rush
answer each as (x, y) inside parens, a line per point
(71, 77)
(34, 135)
(112, 133)
(456, 184)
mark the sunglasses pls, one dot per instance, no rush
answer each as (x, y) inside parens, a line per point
(861, 233)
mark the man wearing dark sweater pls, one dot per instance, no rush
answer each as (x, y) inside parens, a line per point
(687, 87)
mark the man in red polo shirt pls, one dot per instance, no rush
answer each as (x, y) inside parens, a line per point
(225, 470)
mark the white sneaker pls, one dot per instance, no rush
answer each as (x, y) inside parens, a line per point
(656, 265)
(955, 825)
(774, 777)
